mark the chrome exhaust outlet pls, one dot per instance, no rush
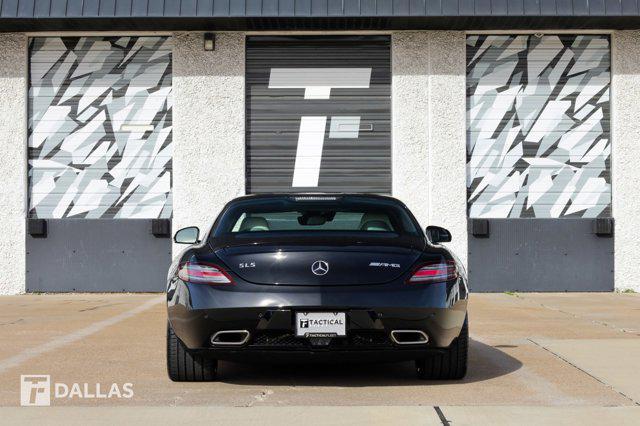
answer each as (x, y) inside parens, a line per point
(230, 338)
(409, 337)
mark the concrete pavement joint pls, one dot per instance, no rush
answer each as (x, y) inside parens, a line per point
(443, 419)
(584, 371)
(61, 341)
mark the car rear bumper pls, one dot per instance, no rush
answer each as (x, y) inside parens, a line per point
(197, 312)
(273, 329)
(250, 355)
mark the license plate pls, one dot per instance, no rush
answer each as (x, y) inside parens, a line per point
(321, 324)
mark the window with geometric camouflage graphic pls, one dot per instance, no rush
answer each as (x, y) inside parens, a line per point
(538, 126)
(100, 127)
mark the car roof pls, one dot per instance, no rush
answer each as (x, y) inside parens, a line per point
(312, 195)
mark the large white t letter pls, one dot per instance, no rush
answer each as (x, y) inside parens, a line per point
(317, 84)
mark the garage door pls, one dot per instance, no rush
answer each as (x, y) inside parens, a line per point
(539, 162)
(318, 114)
(99, 163)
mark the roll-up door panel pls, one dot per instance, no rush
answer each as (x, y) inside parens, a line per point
(99, 155)
(318, 114)
(538, 114)
(100, 127)
(539, 162)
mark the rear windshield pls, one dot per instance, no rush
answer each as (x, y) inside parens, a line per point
(371, 216)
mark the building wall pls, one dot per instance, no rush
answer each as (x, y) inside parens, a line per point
(447, 133)
(429, 148)
(429, 154)
(209, 151)
(428, 98)
(410, 121)
(13, 173)
(626, 154)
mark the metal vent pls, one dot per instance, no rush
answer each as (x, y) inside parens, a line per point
(480, 228)
(161, 228)
(37, 228)
(603, 227)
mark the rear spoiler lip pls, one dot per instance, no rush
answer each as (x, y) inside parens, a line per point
(417, 243)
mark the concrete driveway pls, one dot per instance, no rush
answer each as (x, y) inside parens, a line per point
(534, 359)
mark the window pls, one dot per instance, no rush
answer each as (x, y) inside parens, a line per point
(344, 214)
(328, 220)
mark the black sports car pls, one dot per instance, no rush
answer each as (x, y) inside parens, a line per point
(304, 277)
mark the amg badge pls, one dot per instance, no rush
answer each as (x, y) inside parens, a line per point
(384, 265)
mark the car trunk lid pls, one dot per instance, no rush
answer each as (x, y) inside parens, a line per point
(373, 261)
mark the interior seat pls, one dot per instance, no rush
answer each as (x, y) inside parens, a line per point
(253, 224)
(375, 225)
(377, 217)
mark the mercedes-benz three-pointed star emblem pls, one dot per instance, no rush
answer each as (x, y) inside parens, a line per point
(320, 267)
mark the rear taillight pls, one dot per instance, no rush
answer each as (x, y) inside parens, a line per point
(434, 272)
(203, 273)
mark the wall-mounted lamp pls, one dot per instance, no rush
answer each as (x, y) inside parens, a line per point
(209, 41)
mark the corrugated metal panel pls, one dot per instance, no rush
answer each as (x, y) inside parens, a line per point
(98, 255)
(541, 255)
(315, 8)
(100, 127)
(539, 142)
(318, 114)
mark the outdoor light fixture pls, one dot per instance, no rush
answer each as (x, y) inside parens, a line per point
(209, 41)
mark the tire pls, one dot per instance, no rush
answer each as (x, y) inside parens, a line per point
(184, 366)
(449, 365)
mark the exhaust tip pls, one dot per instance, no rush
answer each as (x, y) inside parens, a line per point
(230, 338)
(409, 337)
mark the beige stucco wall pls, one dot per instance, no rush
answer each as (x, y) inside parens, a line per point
(429, 148)
(447, 136)
(208, 118)
(410, 121)
(625, 96)
(13, 174)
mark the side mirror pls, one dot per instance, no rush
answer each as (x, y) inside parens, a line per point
(187, 235)
(438, 235)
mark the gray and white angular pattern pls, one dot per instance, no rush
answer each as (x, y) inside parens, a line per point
(538, 138)
(100, 130)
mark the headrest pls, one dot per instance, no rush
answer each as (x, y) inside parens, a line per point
(375, 225)
(367, 217)
(255, 223)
